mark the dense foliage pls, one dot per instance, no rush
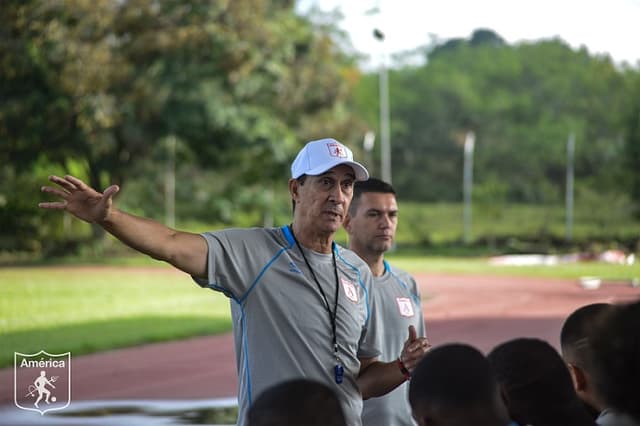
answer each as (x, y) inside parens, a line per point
(109, 90)
(219, 95)
(522, 102)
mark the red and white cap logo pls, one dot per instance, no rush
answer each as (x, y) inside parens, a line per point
(337, 150)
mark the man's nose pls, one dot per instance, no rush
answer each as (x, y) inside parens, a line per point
(385, 221)
(338, 195)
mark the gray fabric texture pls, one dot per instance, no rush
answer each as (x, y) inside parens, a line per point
(397, 307)
(282, 328)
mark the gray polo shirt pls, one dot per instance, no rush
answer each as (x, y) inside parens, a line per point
(609, 417)
(397, 307)
(281, 325)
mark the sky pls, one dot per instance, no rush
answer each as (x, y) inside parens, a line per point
(602, 26)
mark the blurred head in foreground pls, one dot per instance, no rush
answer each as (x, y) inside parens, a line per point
(453, 386)
(535, 384)
(575, 343)
(297, 402)
(616, 359)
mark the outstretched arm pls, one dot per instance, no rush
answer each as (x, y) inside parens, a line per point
(184, 250)
(378, 378)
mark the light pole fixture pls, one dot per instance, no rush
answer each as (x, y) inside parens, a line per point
(467, 182)
(385, 143)
(571, 146)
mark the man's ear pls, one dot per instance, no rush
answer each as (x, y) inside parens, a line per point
(293, 188)
(504, 396)
(419, 418)
(578, 377)
(347, 222)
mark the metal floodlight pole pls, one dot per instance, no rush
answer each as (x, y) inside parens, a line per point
(467, 182)
(170, 183)
(368, 144)
(385, 143)
(571, 141)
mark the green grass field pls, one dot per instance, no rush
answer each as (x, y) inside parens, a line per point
(481, 266)
(86, 309)
(438, 223)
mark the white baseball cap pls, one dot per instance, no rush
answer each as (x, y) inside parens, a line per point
(319, 156)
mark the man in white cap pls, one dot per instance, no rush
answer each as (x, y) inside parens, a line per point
(300, 303)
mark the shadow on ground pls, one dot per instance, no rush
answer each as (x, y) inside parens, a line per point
(133, 413)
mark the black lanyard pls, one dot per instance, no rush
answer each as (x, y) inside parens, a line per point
(338, 369)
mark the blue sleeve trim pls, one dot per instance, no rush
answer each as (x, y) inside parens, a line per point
(286, 231)
(262, 272)
(223, 290)
(289, 237)
(414, 296)
(245, 349)
(245, 344)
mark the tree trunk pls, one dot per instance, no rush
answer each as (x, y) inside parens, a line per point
(98, 234)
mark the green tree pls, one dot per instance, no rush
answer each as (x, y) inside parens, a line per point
(101, 84)
(521, 101)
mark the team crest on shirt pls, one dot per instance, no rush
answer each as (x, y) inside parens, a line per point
(405, 306)
(349, 290)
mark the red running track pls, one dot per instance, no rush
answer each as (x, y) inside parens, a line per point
(479, 310)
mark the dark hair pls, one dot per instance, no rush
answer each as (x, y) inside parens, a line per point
(370, 185)
(536, 384)
(297, 402)
(301, 179)
(455, 378)
(576, 331)
(616, 358)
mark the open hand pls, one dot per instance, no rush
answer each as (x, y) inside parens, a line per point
(79, 199)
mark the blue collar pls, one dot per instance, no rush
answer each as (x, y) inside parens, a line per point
(288, 235)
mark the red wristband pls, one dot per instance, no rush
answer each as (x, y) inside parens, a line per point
(403, 369)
